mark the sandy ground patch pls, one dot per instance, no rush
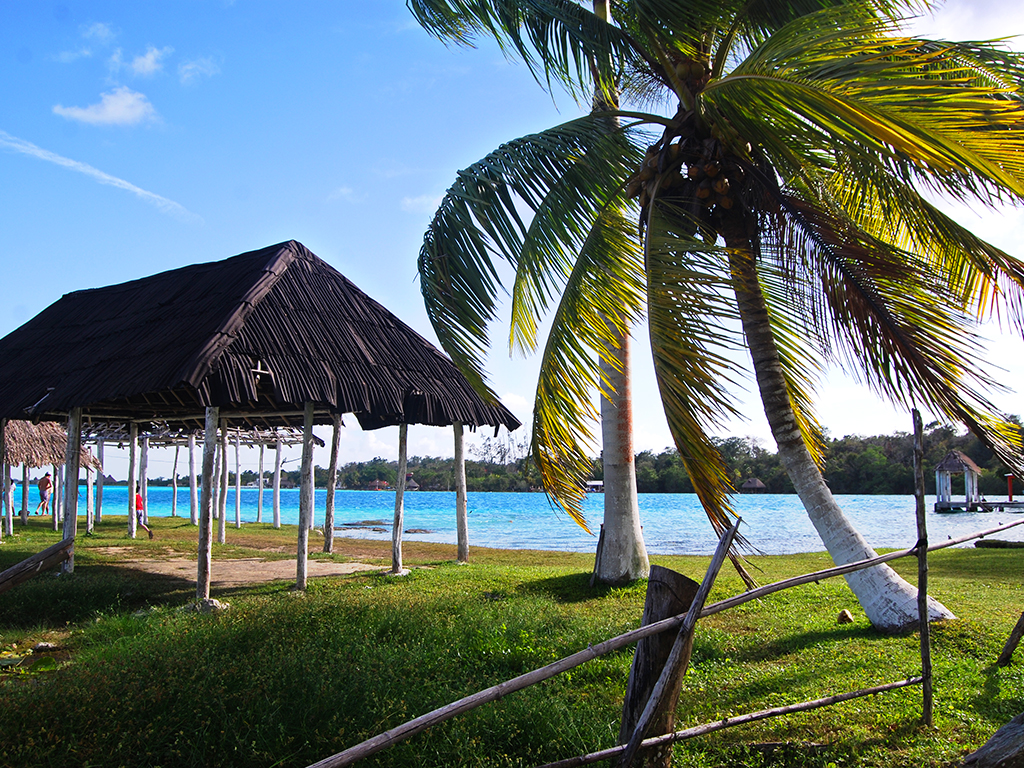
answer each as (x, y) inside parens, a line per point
(246, 570)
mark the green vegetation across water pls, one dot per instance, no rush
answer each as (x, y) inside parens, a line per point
(285, 679)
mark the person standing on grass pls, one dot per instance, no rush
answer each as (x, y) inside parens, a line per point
(139, 515)
(45, 487)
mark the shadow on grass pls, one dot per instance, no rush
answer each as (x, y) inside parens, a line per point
(55, 600)
(570, 588)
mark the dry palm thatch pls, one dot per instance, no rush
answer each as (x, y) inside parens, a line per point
(40, 445)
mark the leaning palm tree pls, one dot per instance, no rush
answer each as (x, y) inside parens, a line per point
(769, 186)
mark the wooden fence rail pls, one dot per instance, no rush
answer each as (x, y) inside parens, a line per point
(421, 723)
(37, 563)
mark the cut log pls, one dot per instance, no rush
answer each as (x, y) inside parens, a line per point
(1004, 750)
(998, 544)
(30, 566)
(668, 594)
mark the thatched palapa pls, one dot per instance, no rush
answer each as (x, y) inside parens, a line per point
(40, 445)
(257, 335)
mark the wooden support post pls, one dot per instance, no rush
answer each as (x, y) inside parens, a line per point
(277, 483)
(679, 657)
(396, 532)
(238, 479)
(24, 494)
(89, 518)
(174, 482)
(133, 439)
(259, 488)
(3, 469)
(668, 594)
(57, 495)
(332, 483)
(216, 480)
(99, 482)
(461, 511)
(8, 508)
(1012, 642)
(922, 572)
(312, 487)
(193, 498)
(222, 504)
(206, 507)
(72, 458)
(144, 478)
(305, 496)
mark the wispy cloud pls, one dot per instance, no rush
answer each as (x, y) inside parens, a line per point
(343, 193)
(67, 57)
(98, 31)
(121, 106)
(164, 205)
(190, 71)
(421, 204)
(151, 62)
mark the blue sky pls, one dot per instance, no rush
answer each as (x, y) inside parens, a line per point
(141, 137)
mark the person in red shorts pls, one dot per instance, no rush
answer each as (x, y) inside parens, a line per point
(139, 516)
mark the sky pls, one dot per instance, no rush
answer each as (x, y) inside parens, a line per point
(142, 137)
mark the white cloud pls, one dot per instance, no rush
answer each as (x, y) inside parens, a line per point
(151, 62)
(121, 106)
(421, 204)
(67, 57)
(343, 193)
(101, 33)
(189, 71)
(162, 203)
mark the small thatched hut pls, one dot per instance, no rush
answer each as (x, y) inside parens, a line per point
(40, 445)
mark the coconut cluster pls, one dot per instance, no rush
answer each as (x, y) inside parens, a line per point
(687, 170)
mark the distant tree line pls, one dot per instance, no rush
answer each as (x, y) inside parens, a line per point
(883, 464)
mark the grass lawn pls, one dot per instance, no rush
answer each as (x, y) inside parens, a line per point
(286, 678)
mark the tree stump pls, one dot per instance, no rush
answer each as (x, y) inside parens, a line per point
(1004, 750)
(668, 594)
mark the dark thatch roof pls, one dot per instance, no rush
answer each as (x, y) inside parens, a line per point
(258, 335)
(40, 445)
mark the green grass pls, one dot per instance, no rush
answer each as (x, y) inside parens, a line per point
(286, 678)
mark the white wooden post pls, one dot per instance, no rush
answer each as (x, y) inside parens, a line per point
(193, 499)
(312, 487)
(461, 515)
(396, 533)
(206, 507)
(238, 479)
(99, 482)
(305, 496)
(277, 484)
(89, 518)
(332, 484)
(72, 457)
(222, 507)
(24, 494)
(3, 469)
(133, 439)
(144, 479)
(259, 489)
(174, 483)
(56, 496)
(216, 480)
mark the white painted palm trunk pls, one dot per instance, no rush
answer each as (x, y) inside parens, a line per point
(889, 601)
(622, 557)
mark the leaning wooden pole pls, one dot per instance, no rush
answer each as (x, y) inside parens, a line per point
(922, 572)
(396, 532)
(679, 657)
(193, 497)
(305, 496)
(332, 483)
(276, 494)
(461, 507)
(72, 458)
(133, 440)
(206, 506)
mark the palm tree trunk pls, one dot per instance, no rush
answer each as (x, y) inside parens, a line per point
(622, 557)
(889, 602)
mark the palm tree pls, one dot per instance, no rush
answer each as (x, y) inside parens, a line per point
(767, 192)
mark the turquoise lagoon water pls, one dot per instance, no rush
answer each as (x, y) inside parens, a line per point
(673, 523)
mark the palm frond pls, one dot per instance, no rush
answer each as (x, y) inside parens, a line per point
(479, 224)
(602, 298)
(559, 40)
